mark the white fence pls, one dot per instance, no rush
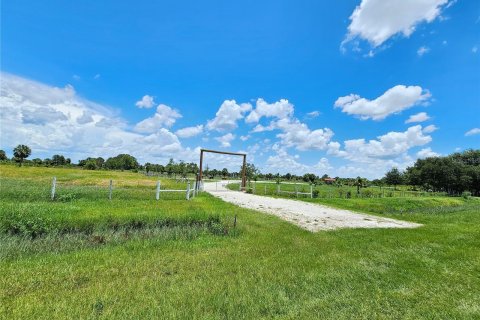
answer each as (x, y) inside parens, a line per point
(190, 192)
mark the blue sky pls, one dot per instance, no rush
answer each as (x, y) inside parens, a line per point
(302, 86)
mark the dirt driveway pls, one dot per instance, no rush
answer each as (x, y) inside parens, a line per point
(313, 217)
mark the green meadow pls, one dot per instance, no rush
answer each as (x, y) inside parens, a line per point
(83, 256)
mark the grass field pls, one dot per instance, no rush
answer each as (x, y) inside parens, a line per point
(289, 189)
(135, 257)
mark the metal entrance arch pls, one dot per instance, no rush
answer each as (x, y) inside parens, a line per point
(244, 155)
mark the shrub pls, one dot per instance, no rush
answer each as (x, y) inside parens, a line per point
(315, 193)
(466, 194)
(348, 195)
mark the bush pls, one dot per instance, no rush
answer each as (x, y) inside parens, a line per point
(348, 195)
(315, 193)
(466, 194)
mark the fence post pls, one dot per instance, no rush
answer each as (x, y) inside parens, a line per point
(194, 189)
(110, 190)
(188, 191)
(157, 196)
(311, 191)
(54, 185)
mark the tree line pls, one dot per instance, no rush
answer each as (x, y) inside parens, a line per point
(453, 174)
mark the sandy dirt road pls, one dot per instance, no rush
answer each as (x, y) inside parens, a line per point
(313, 217)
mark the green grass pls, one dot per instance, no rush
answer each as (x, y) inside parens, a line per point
(268, 269)
(288, 190)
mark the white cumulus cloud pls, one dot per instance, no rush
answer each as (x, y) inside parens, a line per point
(225, 140)
(426, 153)
(394, 100)
(55, 120)
(280, 109)
(388, 146)
(376, 21)
(227, 115)
(165, 116)
(189, 132)
(297, 134)
(419, 117)
(146, 102)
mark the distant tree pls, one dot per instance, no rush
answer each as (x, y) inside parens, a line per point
(250, 171)
(122, 162)
(359, 183)
(100, 162)
(37, 161)
(394, 177)
(58, 160)
(21, 152)
(90, 165)
(225, 172)
(309, 177)
(3, 155)
(325, 176)
(452, 174)
(170, 167)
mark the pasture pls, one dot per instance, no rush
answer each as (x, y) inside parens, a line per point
(302, 190)
(84, 256)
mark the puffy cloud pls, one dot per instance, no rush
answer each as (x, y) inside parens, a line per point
(426, 153)
(146, 102)
(161, 142)
(394, 100)
(419, 117)
(422, 50)
(189, 132)
(280, 109)
(429, 129)
(282, 162)
(225, 140)
(297, 134)
(472, 132)
(41, 115)
(164, 117)
(387, 146)
(227, 115)
(85, 129)
(378, 20)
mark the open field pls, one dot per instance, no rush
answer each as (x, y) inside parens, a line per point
(135, 257)
(289, 189)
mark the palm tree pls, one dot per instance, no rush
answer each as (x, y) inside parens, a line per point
(21, 152)
(359, 184)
